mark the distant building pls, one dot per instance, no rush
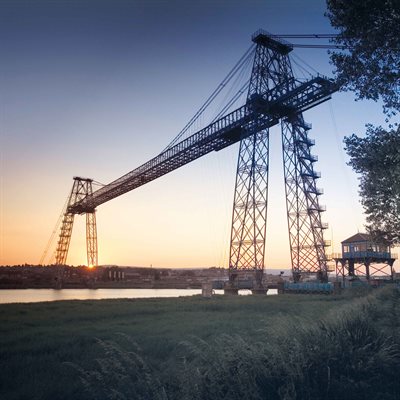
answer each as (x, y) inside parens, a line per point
(362, 245)
(361, 256)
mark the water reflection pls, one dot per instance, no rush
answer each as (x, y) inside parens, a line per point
(37, 295)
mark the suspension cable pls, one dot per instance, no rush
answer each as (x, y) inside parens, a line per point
(55, 230)
(240, 92)
(301, 68)
(296, 57)
(307, 36)
(98, 183)
(216, 92)
(228, 101)
(322, 46)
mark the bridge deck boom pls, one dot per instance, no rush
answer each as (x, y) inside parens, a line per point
(222, 133)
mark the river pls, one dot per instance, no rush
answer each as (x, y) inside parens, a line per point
(37, 295)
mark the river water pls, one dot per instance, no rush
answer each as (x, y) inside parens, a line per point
(37, 295)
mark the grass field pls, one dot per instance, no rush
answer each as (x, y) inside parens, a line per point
(247, 347)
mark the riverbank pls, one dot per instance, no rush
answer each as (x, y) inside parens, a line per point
(194, 348)
(102, 277)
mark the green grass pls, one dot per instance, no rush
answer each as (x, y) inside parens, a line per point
(277, 347)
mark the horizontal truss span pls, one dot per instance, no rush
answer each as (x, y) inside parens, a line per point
(220, 134)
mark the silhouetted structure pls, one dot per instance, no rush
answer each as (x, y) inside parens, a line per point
(362, 257)
(273, 95)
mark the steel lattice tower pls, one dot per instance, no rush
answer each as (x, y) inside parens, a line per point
(272, 78)
(307, 245)
(274, 96)
(81, 190)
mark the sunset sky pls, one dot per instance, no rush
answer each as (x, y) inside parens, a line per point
(95, 88)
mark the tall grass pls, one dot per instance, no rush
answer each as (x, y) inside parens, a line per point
(351, 353)
(120, 375)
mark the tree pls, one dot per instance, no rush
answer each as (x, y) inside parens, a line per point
(370, 30)
(377, 158)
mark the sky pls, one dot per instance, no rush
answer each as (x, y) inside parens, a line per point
(95, 88)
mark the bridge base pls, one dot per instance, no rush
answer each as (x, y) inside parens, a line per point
(231, 291)
(259, 291)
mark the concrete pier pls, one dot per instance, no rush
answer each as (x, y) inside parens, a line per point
(259, 291)
(231, 291)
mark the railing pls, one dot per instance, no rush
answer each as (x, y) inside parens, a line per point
(366, 254)
(262, 32)
(312, 174)
(310, 157)
(319, 208)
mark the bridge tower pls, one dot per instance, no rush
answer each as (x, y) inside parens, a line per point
(81, 190)
(271, 79)
(274, 96)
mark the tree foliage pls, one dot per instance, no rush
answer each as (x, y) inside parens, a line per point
(377, 158)
(370, 30)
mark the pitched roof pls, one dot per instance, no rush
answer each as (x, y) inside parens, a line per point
(358, 237)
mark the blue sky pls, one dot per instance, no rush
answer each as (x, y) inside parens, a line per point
(95, 88)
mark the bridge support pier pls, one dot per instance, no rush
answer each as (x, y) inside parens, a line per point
(230, 291)
(260, 290)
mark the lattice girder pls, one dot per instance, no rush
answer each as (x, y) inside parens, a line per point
(307, 245)
(274, 94)
(91, 239)
(271, 81)
(81, 190)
